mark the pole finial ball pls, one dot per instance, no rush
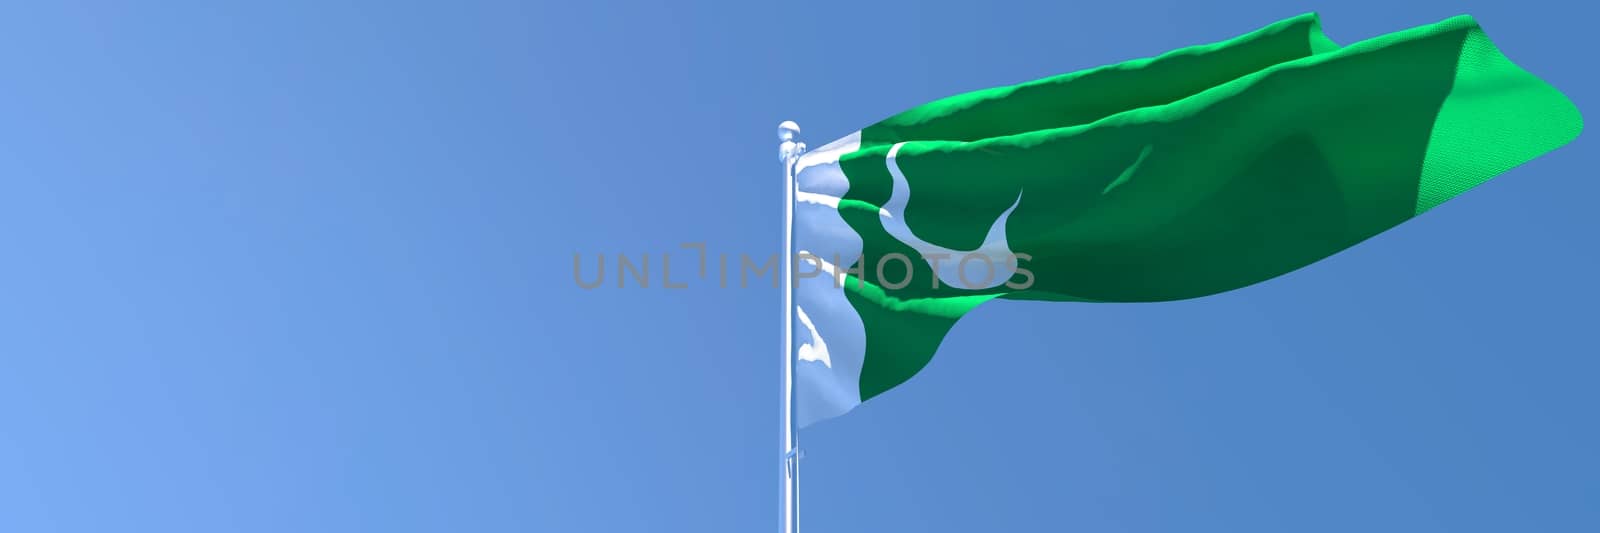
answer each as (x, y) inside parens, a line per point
(788, 130)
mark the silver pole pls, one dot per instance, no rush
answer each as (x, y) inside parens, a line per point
(789, 150)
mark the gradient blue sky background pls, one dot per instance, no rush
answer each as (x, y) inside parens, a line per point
(307, 266)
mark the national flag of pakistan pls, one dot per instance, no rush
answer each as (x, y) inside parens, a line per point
(1203, 170)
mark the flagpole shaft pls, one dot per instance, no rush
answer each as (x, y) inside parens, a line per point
(789, 151)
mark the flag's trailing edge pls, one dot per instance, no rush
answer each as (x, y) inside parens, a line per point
(1199, 171)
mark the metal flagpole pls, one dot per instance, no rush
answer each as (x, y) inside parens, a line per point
(789, 150)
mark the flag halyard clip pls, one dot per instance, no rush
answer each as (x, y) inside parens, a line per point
(792, 459)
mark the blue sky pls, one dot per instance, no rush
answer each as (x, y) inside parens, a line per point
(300, 266)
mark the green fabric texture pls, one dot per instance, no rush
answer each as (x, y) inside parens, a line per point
(1203, 170)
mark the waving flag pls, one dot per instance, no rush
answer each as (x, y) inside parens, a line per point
(1199, 171)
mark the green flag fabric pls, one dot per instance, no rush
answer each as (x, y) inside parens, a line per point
(1199, 171)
